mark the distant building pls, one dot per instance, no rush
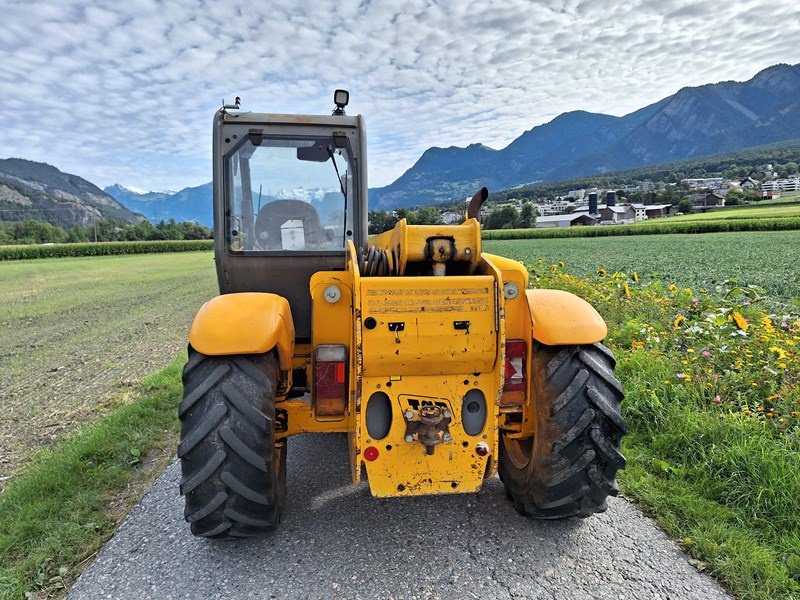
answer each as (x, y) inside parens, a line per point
(707, 200)
(748, 184)
(646, 186)
(448, 218)
(577, 194)
(554, 207)
(570, 220)
(768, 194)
(703, 183)
(790, 184)
(617, 213)
(653, 211)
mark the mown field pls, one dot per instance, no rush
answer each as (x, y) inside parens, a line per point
(78, 332)
(744, 212)
(711, 375)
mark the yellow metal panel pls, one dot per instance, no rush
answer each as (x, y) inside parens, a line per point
(245, 323)
(403, 468)
(511, 269)
(449, 325)
(559, 318)
(298, 418)
(332, 322)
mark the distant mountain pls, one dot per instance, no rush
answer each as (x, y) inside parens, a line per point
(694, 122)
(190, 204)
(133, 195)
(196, 204)
(37, 191)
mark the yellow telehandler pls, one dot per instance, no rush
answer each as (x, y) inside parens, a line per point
(435, 358)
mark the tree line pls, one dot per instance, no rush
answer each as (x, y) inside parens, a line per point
(41, 232)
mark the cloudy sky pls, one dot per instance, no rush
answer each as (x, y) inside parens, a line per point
(125, 91)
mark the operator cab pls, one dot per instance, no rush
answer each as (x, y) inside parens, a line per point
(290, 191)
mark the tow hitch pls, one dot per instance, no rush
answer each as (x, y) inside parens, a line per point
(429, 426)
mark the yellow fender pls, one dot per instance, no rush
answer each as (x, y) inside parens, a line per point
(245, 323)
(562, 319)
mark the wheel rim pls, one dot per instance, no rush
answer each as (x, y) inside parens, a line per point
(518, 451)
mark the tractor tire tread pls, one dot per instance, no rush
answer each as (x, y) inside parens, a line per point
(233, 472)
(575, 453)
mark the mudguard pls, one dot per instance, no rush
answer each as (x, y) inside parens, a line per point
(562, 319)
(245, 323)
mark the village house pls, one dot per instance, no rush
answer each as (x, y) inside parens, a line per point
(748, 184)
(554, 207)
(703, 183)
(712, 199)
(449, 217)
(619, 213)
(570, 220)
(653, 211)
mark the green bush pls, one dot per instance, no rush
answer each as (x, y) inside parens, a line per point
(777, 224)
(102, 249)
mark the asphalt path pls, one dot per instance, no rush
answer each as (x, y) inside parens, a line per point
(336, 541)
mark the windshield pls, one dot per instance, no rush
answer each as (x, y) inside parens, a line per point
(285, 195)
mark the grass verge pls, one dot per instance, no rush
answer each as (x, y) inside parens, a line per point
(55, 516)
(712, 387)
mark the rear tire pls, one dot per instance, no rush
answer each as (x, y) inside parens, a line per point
(569, 466)
(234, 473)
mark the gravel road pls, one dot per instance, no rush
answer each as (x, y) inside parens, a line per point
(336, 541)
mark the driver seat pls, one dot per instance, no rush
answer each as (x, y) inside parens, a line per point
(274, 214)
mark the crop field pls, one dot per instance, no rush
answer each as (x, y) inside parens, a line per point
(77, 332)
(767, 259)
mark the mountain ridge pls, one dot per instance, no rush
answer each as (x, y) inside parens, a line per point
(189, 204)
(31, 190)
(694, 122)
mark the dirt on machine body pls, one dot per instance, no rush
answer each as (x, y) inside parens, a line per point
(433, 356)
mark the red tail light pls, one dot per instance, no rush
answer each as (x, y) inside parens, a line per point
(514, 386)
(330, 380)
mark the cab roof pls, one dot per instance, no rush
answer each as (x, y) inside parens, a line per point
(244, 118)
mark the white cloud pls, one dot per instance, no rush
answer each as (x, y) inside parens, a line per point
(125, 91)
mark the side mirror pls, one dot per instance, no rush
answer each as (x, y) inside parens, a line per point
(313, 153)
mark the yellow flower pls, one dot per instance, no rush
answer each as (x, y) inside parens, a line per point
(741, 322)
(601, 272)
(635, 276)
(627, 290)
(672, 287)
(678, 320)
(779, 351)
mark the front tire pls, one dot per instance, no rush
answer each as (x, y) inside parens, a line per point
(568, 467)
(233, 471)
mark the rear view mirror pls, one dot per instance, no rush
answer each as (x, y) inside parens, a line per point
(313, 154)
